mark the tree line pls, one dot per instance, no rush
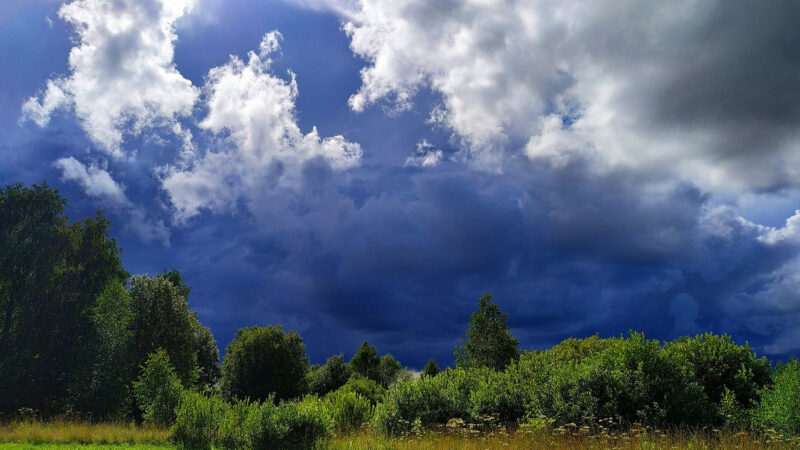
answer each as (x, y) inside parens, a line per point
(79, 334)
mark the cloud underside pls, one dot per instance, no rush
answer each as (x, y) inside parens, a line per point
(697, 89)
(593, 144)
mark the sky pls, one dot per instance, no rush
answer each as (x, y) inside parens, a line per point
(366, 169)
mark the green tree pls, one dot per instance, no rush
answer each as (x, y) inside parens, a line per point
(51, 274)
(365, 362)
(265, 360)
(207, 353)
(158, 389)
(109, 389)
(489, 342)
(779, 407)
(388, 370)
(431, 368)
(331, 376)
(162, 320)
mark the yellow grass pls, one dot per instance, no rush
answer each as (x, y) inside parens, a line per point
(635, 439)
(72, 432)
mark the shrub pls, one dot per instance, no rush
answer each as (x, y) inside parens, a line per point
(231, 432)
(780, 404)
(348, 410)
(158, 390)
(295, 425)
(718, 365)
(366, 388)
(307, 423)
(500, 396)
(198, 419)
(431, 400)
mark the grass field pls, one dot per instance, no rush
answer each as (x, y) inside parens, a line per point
(26, 434)
(64, 435)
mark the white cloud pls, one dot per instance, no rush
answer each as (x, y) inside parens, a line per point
(689, 88)
(426, 155)
(98, 183)
(253, 112)
(788, 233)
(122, 76)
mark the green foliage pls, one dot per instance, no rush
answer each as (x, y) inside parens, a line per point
(198, 419)
(348, 409)
(779, 407)
(264, 360)
(389, 369)
(366, 388)
(431, 369)
(365, 362)
(207, 356)
(108, 393)
(162, 320)
(333, 375)
(489, 342)
(719, 365)
(500, 396)
(296, 425)
(431, 400)
(632, 380)
(51, 273)
(158, 389)
(232, 433)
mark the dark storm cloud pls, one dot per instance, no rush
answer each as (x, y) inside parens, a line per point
(567, 252)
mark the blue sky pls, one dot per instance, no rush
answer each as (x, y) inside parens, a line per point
(365, 170)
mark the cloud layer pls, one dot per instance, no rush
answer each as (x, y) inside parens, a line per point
(693, 88)
(586, 163)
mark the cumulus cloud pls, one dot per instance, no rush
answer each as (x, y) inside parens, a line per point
(692, 88)
(98, 183)
(427, 155)
(253, 113)
(122, 76)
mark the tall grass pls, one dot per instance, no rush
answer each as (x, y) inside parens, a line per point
(637, 438)
(76, 432)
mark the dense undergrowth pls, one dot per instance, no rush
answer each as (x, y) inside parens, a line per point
(586, 388)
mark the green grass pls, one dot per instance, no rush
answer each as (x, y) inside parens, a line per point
(72, 433)
(88, 446)
(59, 435)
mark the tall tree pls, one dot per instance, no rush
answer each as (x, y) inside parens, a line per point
(365, 362)
(489, 342)
(162, 320)
(265, 360)
(51, 274)
(431, 368)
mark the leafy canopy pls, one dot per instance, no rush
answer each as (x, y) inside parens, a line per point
(489, 342)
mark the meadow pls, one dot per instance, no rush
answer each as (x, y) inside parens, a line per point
(72, 434)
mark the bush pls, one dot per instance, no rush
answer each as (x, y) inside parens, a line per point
(718, 365)
(307, 423)
(780, 404)
(158, 390)
(231, 432)
(501, 397)
(432, 400)
(295, 425)
(348, 410)
(198, 420)
(630, 380)
(366, 388)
